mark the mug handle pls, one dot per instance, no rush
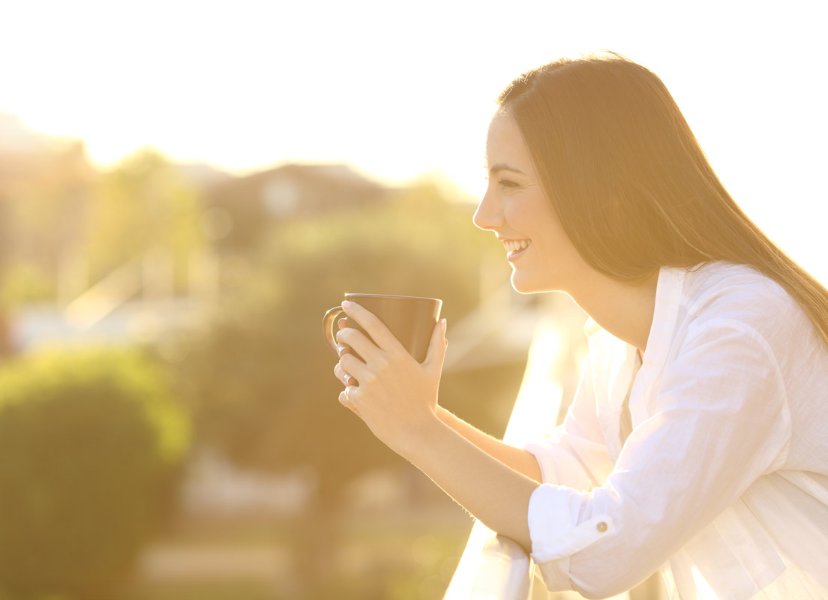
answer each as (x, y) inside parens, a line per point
(328, 324)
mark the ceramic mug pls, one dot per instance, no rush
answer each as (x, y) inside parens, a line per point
(410, 318)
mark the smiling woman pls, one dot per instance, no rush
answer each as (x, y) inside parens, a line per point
(699, 422)
(516, 208)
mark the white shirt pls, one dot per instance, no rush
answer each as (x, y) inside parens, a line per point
(723, 481)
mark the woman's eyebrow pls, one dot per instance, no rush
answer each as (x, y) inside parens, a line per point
(503, 167)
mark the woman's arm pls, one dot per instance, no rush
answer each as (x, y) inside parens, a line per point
(716, 422)
(518, 459)
(396, 397)
(486, 487)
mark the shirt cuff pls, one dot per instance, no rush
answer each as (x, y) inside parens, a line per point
(557, 465)
(557, 534)
(546, 464)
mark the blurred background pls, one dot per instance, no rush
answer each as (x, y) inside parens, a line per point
(186, 187)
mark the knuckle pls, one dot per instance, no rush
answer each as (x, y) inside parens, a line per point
(396, 360)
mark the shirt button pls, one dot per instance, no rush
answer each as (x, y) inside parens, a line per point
(601, 527)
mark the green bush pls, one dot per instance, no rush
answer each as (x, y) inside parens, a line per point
(90, 446)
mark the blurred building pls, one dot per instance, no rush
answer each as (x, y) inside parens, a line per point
(247, 204)
(40, 178)
(44, 185)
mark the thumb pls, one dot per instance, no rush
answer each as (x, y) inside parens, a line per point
(437, 346)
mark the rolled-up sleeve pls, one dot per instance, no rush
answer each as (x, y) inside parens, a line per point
(718, 420)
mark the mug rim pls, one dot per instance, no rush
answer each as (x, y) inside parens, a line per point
(392, 296)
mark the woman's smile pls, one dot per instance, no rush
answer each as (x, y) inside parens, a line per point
(515, 248)
(517, 210)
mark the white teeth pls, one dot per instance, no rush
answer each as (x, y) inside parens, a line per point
(515, 245)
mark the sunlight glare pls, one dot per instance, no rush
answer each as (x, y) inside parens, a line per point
(247, 85)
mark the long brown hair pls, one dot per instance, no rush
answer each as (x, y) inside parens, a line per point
(630, 183)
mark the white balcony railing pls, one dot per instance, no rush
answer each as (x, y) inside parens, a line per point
(494, 567)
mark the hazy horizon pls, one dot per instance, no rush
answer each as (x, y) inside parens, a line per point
(399, 93)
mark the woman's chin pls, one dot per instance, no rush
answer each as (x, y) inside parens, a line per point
(522, 286)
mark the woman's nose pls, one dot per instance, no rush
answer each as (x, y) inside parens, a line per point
(488, 215)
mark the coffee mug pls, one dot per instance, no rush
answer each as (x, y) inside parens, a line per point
(410, 318)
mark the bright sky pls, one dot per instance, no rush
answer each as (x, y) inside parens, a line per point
(404, 89)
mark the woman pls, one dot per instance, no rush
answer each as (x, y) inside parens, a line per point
(697, 439)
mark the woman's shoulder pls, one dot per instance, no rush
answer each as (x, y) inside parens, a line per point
(723, 294)
(739, 291)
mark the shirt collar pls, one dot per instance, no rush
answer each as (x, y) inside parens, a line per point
(667, 303)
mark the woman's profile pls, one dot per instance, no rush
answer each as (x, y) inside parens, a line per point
(697, 442)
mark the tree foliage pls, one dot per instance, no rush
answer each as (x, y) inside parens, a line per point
(90, 447)
(143, 206)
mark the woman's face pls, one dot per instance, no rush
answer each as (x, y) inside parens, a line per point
(516, 208)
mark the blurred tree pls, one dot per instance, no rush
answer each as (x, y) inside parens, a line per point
(260, 379)
(67, 226)
(91, 445)
(144, 208)
(5, 325)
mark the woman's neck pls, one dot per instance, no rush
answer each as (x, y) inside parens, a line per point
(624, 309)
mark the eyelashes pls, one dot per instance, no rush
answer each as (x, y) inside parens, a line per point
(501, 182)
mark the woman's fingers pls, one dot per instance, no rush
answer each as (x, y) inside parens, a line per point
(375, 328)
(359, 343)
(436, 355)
(351, 366)
(344, 377)
(346, 401)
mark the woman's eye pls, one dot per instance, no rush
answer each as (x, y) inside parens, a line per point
(507, 183)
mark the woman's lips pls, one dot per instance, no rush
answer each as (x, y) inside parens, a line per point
(515, 248)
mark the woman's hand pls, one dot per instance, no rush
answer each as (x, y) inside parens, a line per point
(394, 395)
(397, 398)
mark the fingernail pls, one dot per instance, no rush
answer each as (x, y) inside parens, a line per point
(346, 304)
(340, 349)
